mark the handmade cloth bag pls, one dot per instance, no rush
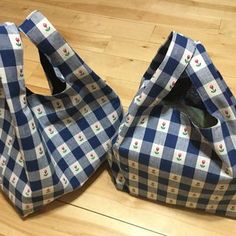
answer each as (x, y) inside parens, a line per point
(50, 145)
(177, 141)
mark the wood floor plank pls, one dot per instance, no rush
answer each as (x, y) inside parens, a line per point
(126, 69)
(143, 15)
(63, 220)
(112, 26)
(139, 50)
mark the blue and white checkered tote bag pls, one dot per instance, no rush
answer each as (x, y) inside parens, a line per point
(177, 141)
(50, 145)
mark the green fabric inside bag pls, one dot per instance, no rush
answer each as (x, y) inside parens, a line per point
(185, 98)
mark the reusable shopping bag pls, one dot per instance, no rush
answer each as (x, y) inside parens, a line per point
(177, 141)
(50, 145)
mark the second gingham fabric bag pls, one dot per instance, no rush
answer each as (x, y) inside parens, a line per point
(177, 141)
(50, 145)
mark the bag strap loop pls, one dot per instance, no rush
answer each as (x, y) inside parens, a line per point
(11, 67)
(49, 42)
(177, 56)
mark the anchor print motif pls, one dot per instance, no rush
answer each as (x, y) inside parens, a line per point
(21, 160)
(142, 121)
(80, 72)
(227, 171)
(92, 156)
(76, 99)
(3, 163)
(80, 138)
(76, 168)
(21, 72)
(27, 192)
(175, 177)
(133, 164)
(40, 151)
(24, 100)
(135, 145)
(212, 88)
(172, 84)
(13, 181)
(33, 126)
(47, 28)
(58, 105)
(51, 130)
(127, 119)
(9, 142)
(197, 63)
(179, 156)
(48, 190)
(221, 148)
(63, 149)
(172, 190)
(227, 114)
(45, 173)
(202, 164)
(114, 117)
(103, 100)
(66, 52)
(68, 121)
(163, 125)
(120, 179)
(39, 111)
(222, 187)
(85, 110)
(18, 42)
(65, 181)
(153, 171)
(139, 98)
(152, 184)
(93, 87)
(198, 184)
(133, 177)
(157, 150)
(97, 127)
(185, 131)
(187, 59)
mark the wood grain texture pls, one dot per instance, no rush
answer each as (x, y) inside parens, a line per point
(118, 39)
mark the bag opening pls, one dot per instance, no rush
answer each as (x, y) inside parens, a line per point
(54, 77)
(186, 99)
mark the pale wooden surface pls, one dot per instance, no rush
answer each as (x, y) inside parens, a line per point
(118, 39)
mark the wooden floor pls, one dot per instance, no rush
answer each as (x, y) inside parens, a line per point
(118, 39)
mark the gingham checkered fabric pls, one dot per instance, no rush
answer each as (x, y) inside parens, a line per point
(50, 145)
(161, 153)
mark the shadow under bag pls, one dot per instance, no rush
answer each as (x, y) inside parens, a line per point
(177, 141)
(50, 145)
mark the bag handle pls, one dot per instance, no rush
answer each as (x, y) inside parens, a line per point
(170, 62)
(211, 87)
(11, 72)
(12, 79)
(177, 56)
(48, 40)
